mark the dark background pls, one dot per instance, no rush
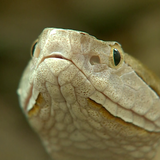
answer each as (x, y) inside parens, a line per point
(134, 24)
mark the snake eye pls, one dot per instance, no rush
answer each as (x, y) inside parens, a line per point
(116, 57)
(35, 49)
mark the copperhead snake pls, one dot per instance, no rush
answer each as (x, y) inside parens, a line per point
(89, 100)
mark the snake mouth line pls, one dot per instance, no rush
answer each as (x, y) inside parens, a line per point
(147, 125)
(107, 115)
(98, 106)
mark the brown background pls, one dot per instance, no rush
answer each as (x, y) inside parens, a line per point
(135, 24)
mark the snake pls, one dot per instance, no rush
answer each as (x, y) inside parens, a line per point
(89, 100)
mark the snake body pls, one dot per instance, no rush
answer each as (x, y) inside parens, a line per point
(87, 99)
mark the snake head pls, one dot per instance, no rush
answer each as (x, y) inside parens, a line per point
(77, 89)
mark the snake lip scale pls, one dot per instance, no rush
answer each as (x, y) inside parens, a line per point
(52, 55)
(145, 119)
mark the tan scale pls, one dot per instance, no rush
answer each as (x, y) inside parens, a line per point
(87, 99)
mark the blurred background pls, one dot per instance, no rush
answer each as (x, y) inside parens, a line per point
(134, 24)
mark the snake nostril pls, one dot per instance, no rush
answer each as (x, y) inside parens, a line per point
(95, 60)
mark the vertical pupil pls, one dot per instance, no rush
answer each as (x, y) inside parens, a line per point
(116, 57)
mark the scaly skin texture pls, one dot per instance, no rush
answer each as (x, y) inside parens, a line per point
(85, 107)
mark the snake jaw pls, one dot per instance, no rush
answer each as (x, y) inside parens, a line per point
(129, 117)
